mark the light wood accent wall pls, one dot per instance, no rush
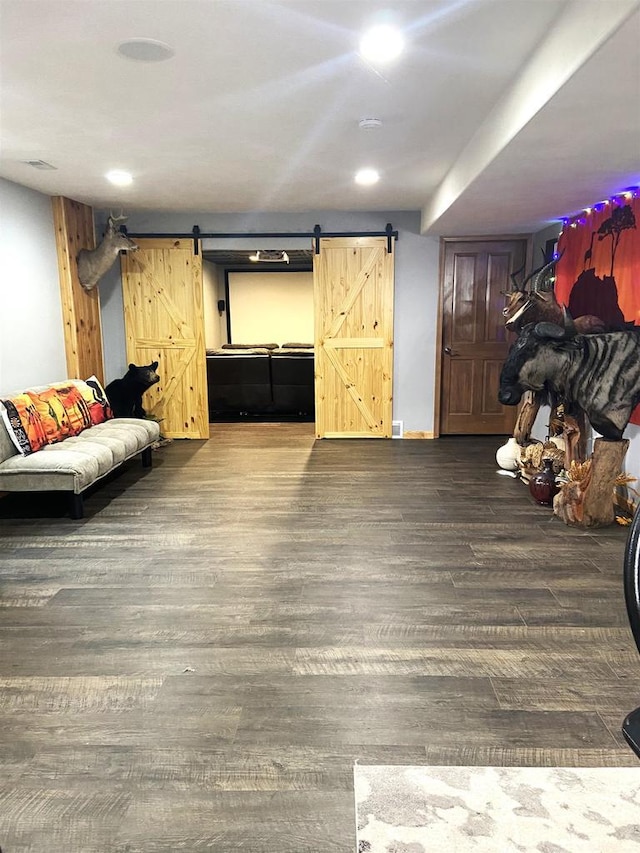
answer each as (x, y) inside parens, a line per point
(163, 318)
(353, 306)
(80, 308)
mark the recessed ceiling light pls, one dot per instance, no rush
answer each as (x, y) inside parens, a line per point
(145, 50)
(367, 177)
(119, 177)
(381, 44)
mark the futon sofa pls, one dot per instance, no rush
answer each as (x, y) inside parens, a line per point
(62, 437)
(261, 381)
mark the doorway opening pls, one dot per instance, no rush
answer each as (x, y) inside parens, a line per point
(259, 333)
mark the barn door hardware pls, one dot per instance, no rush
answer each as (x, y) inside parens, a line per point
(390, 234)
(196, 234)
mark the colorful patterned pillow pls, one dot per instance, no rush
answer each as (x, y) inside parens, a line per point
(76, 408)
(23, 423)
(53, 414)
(96, 398)
(85, 402)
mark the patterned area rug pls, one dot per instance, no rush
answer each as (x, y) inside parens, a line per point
(497, 809)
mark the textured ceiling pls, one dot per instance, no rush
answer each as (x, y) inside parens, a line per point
(500, 115)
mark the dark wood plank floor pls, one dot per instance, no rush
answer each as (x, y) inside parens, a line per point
(198, 663)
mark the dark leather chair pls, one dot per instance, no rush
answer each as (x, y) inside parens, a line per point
(293, 383)
(631, 725)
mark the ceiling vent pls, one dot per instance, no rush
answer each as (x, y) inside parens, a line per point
(40, 164)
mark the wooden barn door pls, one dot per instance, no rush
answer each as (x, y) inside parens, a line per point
(353, 305)
(474, 339)
(163, 311)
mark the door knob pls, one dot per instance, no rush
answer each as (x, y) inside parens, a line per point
(449, 351)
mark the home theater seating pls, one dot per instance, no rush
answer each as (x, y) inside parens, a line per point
(261, 380)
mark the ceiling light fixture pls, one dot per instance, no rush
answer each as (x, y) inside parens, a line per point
(269, 256)
(119, 177)
(381, 44)
(367, 177)
(370, 123)
(145, 50)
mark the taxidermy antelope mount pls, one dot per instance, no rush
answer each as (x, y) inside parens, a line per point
(539, 304)
(94, 263)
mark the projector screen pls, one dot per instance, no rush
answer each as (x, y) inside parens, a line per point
(271, 307)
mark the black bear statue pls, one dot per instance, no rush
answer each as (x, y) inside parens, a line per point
(125, 395)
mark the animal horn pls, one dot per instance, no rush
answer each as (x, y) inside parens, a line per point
(540, 274)
(517, 288)
(530, 276)
(543, 269)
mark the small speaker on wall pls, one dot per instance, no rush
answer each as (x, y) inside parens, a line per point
(221, 305)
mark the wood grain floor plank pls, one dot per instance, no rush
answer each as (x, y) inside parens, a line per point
(530, 756)
(566, 694)
(198, 663)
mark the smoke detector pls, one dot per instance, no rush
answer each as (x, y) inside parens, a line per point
(145, 50)
(370, 123)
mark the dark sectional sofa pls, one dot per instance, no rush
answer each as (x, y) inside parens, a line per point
(261, 381)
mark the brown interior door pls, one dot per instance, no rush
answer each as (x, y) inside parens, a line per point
(474, 339)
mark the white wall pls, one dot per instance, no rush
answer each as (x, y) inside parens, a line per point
(31, 335)
(416, 287)
(271, 307)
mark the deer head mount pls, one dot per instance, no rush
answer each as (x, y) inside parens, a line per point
(94, 263)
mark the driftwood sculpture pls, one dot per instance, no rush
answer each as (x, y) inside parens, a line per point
(94, 263)
(586, 500)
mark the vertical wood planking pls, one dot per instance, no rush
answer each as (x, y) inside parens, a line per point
(163, 308)
(353, 305)
(82, 325)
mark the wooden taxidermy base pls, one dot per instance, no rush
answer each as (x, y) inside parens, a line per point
(575, 428)
(588, 502)
(529, 408)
